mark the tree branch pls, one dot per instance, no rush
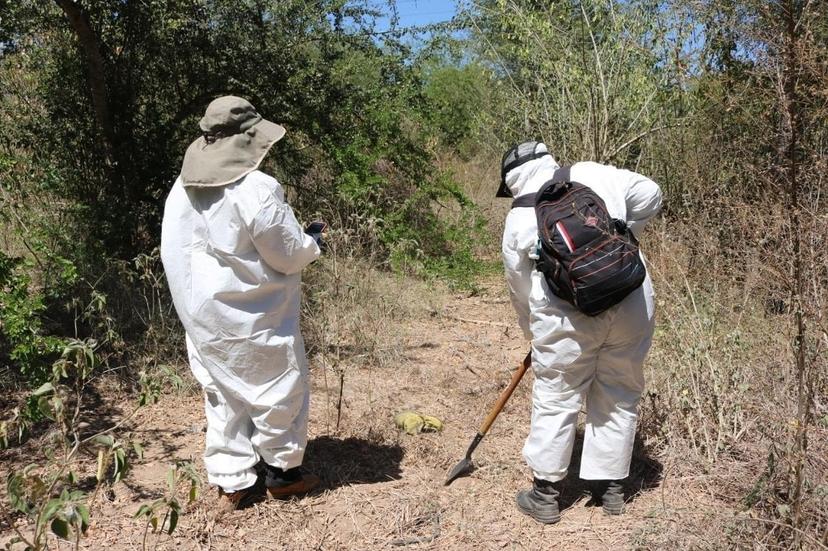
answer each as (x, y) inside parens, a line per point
(644, 134)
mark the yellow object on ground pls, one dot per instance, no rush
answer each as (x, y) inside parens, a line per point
(415, 423)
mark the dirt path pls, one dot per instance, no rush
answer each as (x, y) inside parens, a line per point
(383, 489)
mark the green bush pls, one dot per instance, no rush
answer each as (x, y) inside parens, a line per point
(361, 119)
(25, 344)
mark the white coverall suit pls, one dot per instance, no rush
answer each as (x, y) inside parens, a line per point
(233, 256)
(575, 356)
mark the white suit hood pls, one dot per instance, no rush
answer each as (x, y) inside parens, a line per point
(530, 176)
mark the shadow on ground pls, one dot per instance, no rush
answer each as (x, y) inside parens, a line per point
(344, 461)
(645, 474)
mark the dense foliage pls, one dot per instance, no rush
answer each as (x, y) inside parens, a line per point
(101, 99)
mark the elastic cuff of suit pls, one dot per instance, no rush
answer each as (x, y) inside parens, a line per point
(282, 460)
(233, 482)
(549, 477)
(604, 475)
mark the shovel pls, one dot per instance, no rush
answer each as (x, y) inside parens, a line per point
(465, 464)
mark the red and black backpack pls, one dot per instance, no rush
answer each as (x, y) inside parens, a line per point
(588, 258)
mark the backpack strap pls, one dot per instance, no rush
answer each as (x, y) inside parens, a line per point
(528, 200)
(562, 174)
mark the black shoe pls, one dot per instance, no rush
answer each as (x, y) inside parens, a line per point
(241, 499)
(610, 493)
(274, 476)
(541, 502)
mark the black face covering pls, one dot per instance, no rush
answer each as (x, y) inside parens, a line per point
(513, 158)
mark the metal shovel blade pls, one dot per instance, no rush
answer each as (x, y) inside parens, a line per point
(465, 465)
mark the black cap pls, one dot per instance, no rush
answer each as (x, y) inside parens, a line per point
(516, 156)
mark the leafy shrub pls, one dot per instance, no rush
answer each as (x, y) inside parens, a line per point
(49, 490)
(25, 346)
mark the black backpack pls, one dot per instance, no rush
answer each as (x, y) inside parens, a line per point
(588, 258)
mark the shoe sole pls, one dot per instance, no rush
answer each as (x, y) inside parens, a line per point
(613, 511)
(300, 487)
(543, 519)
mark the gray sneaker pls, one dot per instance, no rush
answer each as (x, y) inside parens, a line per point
(611, 495)
(540, 502)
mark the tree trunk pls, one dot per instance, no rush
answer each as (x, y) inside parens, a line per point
(793, 120)
(96, 71)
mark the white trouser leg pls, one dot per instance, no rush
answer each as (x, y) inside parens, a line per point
(280, 434)
(281, 441)
(612, 413)
(564, 351)
(548, 449)
(229, 456)
(612, 401)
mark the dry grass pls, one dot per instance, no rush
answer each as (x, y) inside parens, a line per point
(711, 466)
(382, 489)
(721, 404)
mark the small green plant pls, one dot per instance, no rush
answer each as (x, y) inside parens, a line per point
(47, 492)
(162, 514)
(153, 382)
(67, 514)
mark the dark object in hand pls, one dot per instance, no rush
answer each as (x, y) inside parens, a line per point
(315, 230)
(316, 227)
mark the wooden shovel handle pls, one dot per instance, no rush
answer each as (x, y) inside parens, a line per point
(506, 394)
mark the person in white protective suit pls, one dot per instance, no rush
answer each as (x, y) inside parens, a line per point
(233, 252)
(577, 358)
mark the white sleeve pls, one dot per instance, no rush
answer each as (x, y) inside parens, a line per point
(279, 238)
(643, 198)
(518, 266)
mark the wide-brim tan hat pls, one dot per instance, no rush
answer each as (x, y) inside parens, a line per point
(234, 141)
